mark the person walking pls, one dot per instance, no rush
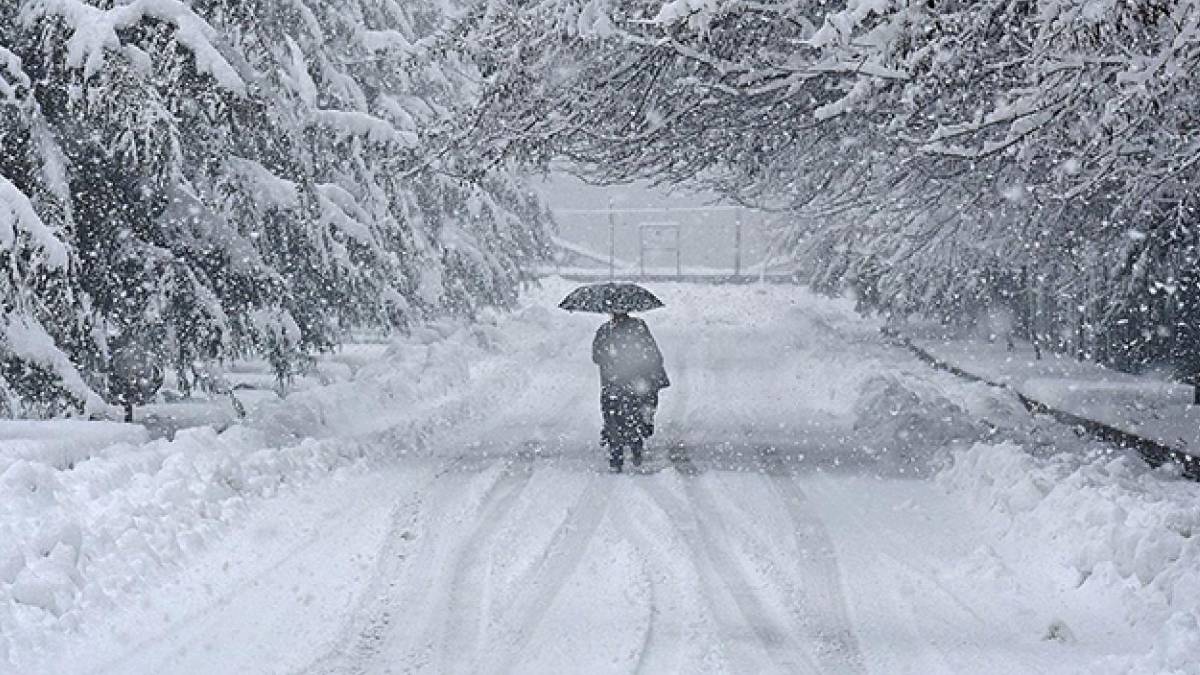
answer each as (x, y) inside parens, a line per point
(631, 376)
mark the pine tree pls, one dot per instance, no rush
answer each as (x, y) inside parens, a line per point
(226, 179)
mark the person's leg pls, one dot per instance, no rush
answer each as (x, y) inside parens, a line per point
(629, 424)
(616, 457)
(649, 406)
(635, 452)
(611, 435)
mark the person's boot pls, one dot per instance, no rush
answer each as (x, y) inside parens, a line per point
(635, 453)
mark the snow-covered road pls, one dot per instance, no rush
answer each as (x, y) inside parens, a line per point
(787, 519)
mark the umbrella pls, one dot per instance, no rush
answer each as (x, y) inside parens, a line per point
(610, 297)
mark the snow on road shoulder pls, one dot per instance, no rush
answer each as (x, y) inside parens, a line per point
(62, 443)
(1092, 547)
(86, 526)
(1116, 544)
(290, 575)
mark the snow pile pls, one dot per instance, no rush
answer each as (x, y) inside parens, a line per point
(420, 377)
(62, 443)
(905, 416)
(1105, 529)
(82, 527)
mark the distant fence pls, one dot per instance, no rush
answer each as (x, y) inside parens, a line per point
(588, 276)
(702, 243)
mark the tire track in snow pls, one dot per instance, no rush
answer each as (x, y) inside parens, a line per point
(558, 562)
(925, 602)
(393, 597)
(441, 592)
(361, 639)
(746, 617)
(648, 647)
(927, 656)
(459, 619)
(239, 588)
(463, 617)
(681, 615)
(819, 608)
(824, 615)
(747, 620)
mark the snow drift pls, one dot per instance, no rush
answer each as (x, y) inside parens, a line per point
(1111, 533)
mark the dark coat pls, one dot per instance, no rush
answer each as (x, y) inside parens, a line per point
(629, 357)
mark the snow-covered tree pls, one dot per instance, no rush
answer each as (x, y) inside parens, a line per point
(955, 152)
(220, 178)
(43, 317)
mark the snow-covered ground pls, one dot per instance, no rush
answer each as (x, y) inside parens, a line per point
(1144, 405)
(815, 500)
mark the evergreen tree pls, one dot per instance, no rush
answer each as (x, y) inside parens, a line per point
(217, 179)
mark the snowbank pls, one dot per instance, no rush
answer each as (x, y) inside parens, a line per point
(62, 443)
(909, 415)
(1110, 533)
(1156, 410)
(89, 517)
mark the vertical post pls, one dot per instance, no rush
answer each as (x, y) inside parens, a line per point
(772, 244)
(612, 241)
(642, 250)
(737, 248)
(678, 253)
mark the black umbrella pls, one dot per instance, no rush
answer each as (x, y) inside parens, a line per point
(610, 297)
